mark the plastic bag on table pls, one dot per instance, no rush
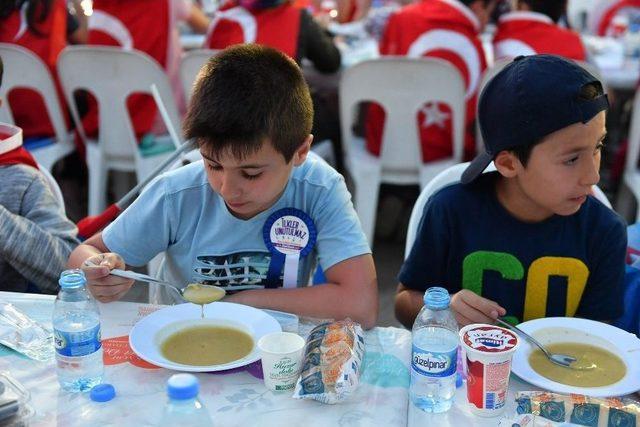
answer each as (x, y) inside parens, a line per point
(554, 409)
(331, 362)
(24, 335)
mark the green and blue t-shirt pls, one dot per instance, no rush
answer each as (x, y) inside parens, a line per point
(563, 266)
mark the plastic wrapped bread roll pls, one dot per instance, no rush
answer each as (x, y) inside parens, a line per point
(578, 410)
(331, 362)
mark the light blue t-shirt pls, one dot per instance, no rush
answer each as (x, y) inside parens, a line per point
(180, 214)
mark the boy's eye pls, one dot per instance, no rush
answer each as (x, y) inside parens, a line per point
(214, 167)
(599, 146)
(251, 176)
(571, 161)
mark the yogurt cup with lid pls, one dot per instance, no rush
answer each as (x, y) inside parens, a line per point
(488, 352)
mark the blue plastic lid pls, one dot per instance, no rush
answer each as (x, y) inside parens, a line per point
(182, 386)
(102, 393)
(436, 298)
(70, 279)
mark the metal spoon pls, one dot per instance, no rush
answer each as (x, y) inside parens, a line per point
(194, 292)
(558, 359)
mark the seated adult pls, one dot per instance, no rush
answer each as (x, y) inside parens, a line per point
(533, 29)
(275, 23)
(41, 27)
(35, 236)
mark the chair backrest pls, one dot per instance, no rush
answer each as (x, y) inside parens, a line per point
(450, 176)
(190, 65)
(402, 86)
(24, 69)
(53, 186)
(111, 74)
(633, 150)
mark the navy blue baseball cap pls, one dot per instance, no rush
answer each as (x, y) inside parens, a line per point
(530, 98)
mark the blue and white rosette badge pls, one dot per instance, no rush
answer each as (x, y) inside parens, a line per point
(289, 234)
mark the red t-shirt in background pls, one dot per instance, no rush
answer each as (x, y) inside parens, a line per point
(531, 33)
(276, 27)
(27, 106)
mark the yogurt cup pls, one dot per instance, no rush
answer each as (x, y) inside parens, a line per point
(488, 352)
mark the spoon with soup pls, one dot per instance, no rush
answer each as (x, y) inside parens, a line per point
(195, 293)
(564, 360)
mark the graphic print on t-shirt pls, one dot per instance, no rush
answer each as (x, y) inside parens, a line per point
(541, 287)
(233, 272)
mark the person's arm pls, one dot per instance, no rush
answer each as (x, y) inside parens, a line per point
(78, 26)
(467, 307)
(197, 20)
(351, 291)
(316, 45)
(96, 261)
(37, 242)
(408, 303)
(140, 232)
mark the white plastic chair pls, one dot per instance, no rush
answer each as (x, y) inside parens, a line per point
(450, 176)
(111, 74)
(631, 177)
(190, 65)
(24, 69)
(401, 86)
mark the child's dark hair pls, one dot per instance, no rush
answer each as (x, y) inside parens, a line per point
(36, 12)
(245, 95)
(554, 9)
(588, 92)
(484, 2)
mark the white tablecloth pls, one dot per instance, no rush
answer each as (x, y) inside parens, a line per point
(235, 399)
(232, 399)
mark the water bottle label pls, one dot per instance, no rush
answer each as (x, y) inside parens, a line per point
(77, 343)
(432, 364)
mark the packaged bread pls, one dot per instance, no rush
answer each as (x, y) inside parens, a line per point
(331, 362)
(579, 410)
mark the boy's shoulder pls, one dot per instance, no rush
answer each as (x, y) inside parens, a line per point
(601, 218)
(462, 196)
(18, 175)
(191, 176)
(315, 172)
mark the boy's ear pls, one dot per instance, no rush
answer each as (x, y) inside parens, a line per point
(507, 164)
(301, 153)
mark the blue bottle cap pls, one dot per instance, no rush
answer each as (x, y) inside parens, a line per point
(436, 298)
(70, 279)
(182, 386)
(102, 393)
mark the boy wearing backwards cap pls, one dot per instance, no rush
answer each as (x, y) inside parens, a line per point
(529, 240)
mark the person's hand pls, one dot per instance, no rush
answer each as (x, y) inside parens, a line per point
(470, 307)
(103, 286)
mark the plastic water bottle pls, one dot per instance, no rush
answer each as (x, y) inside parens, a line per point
(183, 408)
(76, 329)
(434, 354)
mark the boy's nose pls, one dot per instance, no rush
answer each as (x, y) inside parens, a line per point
(229, 190)
(591, 173)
